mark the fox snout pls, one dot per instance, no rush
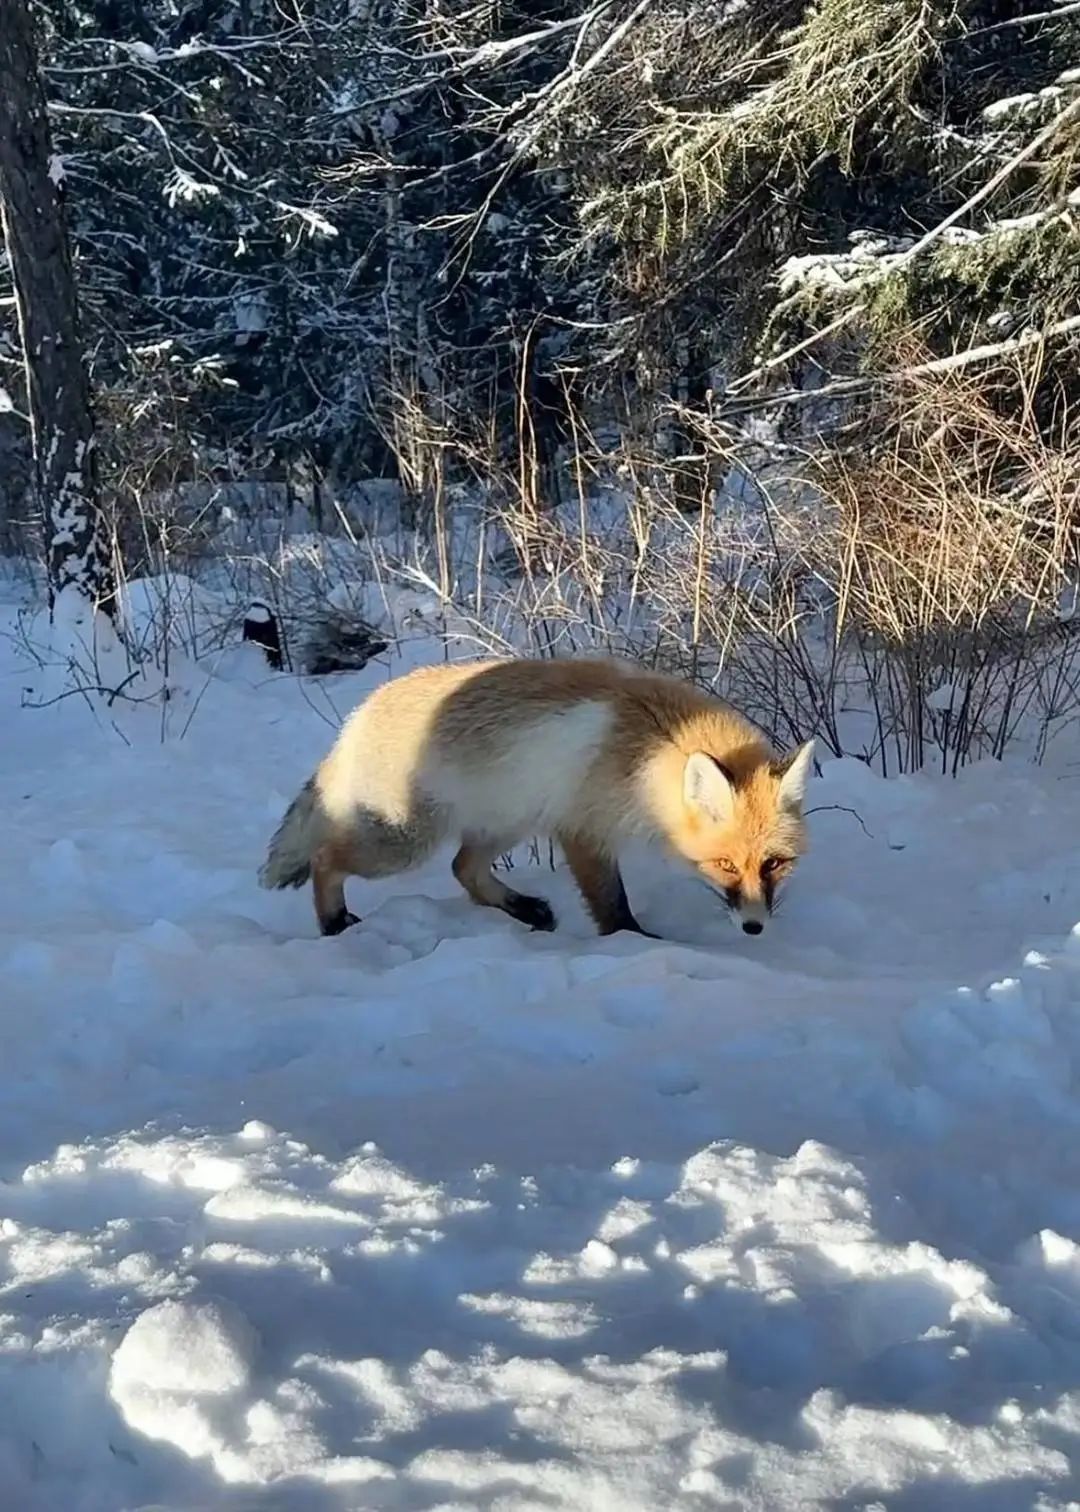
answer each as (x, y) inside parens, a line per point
(748, 913)
(752, 921)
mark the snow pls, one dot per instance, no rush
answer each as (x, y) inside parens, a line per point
(1022, 106)
(182, 187)
(873, 257)
(173, 610)
(83, 649)
(445, 1214)
(316, 226)
(184, 1349)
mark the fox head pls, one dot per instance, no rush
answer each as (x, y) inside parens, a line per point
(743, 828)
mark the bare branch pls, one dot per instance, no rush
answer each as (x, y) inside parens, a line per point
(1029, 150)
(1030, 20)
(859, 383)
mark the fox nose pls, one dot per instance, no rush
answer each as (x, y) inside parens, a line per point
(752, 926)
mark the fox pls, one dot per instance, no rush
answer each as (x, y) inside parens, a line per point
(589, 752)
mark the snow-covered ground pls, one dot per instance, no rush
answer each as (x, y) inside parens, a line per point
(445, 1214)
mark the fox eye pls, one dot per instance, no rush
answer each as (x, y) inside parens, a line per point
(774, 863)
(722, 864)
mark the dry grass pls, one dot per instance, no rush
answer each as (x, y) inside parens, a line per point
(901, 602)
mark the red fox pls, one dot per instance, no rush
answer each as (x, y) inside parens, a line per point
(589, 752)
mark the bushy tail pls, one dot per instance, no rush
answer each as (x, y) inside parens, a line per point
(288, 861)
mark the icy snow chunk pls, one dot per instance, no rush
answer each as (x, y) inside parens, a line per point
(67, 1160)
(1050, 1251)
(250, 1204)
(1023, 106)
(280, 1440)
(176, 1162)
(163, 934)
(710, 1262)
(544, 1320)
(1057, 1249)
(392, 1406)
(597, 1258)
(892, 1440)
(371, 1175)
(193, 1348)
(224, 1253)
(38, 1255)
(624, 1218)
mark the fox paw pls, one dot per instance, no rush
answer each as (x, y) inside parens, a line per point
(338, 923)
(534, 912)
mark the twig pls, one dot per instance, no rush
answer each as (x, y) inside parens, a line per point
(543, 105)
(995, 180)
(575, 72)
(111, 694)
(840, 808)
(1033, 19)
(860, 383)
(800, 346)
(466, 59)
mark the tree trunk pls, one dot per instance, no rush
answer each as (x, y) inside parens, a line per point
(58, 388)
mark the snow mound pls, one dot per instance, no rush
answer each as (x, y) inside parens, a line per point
(644, 1329)
(189, 1348)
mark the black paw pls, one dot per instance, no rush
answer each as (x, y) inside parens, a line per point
(531, 911)
(338, 923)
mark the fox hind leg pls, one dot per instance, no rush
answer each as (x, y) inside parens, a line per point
(372, 848)
(328, 886)
(472, 868)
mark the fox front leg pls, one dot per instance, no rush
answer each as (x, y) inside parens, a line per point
(601, 886)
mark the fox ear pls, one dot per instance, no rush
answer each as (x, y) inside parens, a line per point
(707, 787)
(794, 773)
